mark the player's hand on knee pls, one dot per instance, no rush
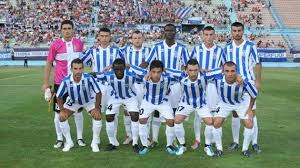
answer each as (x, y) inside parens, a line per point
(95, 113)
(250, 113)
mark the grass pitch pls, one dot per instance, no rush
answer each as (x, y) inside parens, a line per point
(27, 131)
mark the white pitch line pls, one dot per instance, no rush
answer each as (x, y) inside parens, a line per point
(15, 77)
(19, 85)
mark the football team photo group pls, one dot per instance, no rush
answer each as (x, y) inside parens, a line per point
(149, 86)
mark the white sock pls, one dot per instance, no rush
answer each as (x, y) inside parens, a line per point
(155, 128)
(218, 138)
(135, 132)
(235, 127)
(97, 125)
(65, 128)
(180, 133)
(170, 135)
(127, 124)
(110, 130)
(208, 133)
(59, 135)
(255, 131)
(247, 138)
(78, 118)
(116, 121)
(197, 127)
(143, 134)
(149, 126)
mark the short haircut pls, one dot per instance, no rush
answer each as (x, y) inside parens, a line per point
(118, 61)
(208, 28)
(237, 24)
(104, 29)
(192, 62)
(230, 64)
(156, 64)
(137, 32)
(69, 22)
(170, 25)
(76, 61)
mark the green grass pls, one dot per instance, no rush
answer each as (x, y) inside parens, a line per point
(27, 130)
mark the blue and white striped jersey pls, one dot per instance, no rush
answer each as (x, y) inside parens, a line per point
(156, 93)
(233, 93)
(194, 91)
(135, 57)
(244, 56)
(101, 57)
(173, 57)
(79, 93)
(122, 88)
(208, 58)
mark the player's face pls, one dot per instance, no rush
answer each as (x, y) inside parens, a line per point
(230, 73)
(67, 30)
(77, 70)
(192, 71)
(104, 38)
(155, 74)
(170, 32)
(208, 36)
(119, 70)
(237, 32)
(137, 40)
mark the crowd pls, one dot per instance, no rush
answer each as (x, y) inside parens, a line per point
(250, 12)
(217, 15)
(35, 22)
(31, 23)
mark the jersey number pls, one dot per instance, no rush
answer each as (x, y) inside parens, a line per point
(109, 107)
(180, 108)
(141, 111)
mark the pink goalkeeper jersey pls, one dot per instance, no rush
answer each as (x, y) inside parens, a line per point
(63, 53)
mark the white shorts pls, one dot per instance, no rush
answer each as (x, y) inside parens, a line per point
(113, 105)
(164, 109)
(175, 95)
(225, 109)
(212, 97)
(75, 106)
(185, 109)
(106, 95)
(139, 90)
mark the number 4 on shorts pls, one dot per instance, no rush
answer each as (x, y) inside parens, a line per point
(109, 107)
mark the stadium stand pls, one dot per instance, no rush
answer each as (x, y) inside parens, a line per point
(124, 16)
(289, 12)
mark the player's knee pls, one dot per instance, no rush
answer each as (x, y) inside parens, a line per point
(217, 123)
(143, 120)
(170, 123)
(110, 117)
(177, 120)
(248, 124)
(134, 117)
(208, 121)
(234, 114)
